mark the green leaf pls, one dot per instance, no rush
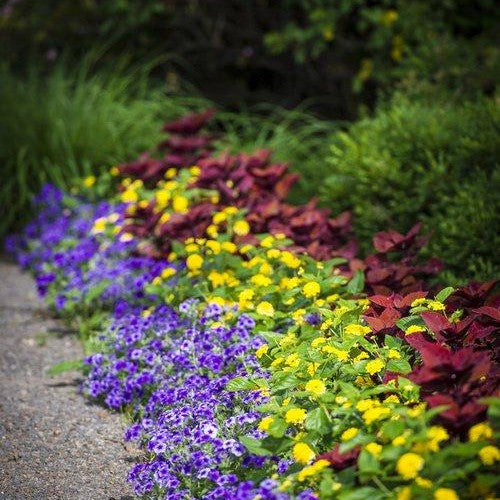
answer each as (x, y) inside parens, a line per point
(241, 384)
(357, 283)
(361, 494)
(277, 428)
(444, 293)
(253, 446)
(399, 366)
(65, 366)
(317, 420)
(367, 463)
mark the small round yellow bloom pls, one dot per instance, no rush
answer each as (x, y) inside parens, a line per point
(89, 181)
(311, 289)
(302, 453)
(265, 309)
(489, 455)
(241, 227)
(480, 432)
(295, 416)
(262, 350)
(445, 494)
(373, 449)
(354, 329)
(168, 272)
(194, 262)
(316, 387)
(129, 196)
(409, 465)
(349, 434)
(180, 204)
(414, 329)
(265, 423)
(374, 366)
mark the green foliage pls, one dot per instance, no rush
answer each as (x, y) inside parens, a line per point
(430, 161)
(72, 123)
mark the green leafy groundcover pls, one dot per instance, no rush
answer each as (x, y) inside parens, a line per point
(255, 355)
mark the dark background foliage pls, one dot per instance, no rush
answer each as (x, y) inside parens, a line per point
(387, 108)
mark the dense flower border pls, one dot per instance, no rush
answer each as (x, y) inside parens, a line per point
(255, 354)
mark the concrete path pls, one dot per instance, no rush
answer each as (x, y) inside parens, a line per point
(53, 443)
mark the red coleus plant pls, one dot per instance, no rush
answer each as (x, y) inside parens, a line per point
(339, 461)
(394, 268)
(183, 147)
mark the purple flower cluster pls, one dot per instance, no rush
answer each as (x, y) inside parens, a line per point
(169, 368)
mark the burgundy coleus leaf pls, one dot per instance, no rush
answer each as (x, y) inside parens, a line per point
(339, 461)
(181, 144)
(385, 322)
(474, 295)
(189, 124)
(390, 241)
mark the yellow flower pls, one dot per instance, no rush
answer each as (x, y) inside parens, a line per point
(374, 449)
(265, 423)
(312, 470)
(404, 494)
(366, 404)
(349, 434)
(290, 260)
(418, 302)
(214, 246)
(229, 246)
(489, 455)
(436, 434)
(194, 262)
(445, 494)
(219, 217)
(318, 341)
(273, 253)
(435, 305)
(316, 387)
(409, 465)
(374, 366)
(260, 280)
(89, 181)
(129, 196)
(480, 432)
(171, 172)
(311, 289)
(267, 242)
(333, 297)
(126, 237)
(302, 453)
(241, 227)
(164, 218)
(168, 272)
(399, 441)
(180, 204)
(311, 368)
(247, 294)
(162, 197)
(354, 329)
(377, 413)
(265, 309)
(423, 483)
(114, 171)
(262, 350)
(391, 399)
(212, 231)
(99, 225)
(295, 416)
(393, 354)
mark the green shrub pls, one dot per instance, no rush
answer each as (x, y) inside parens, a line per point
(436, 162)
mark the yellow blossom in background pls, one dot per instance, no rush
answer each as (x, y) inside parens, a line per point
(374, 366)
(409, 465)
(129, 196)
(265, 309)
(316, 387)
(436, 434)
(295, 416)
(180, 204)
(114, 171)
(373, 414)
(229, 246)
(404, 494)
(480, 432)
(99, 225)
(265, 423)
(168, 272)
(445, 494)
(262, 350)
(313, 469)
(374, 449)
(354, 329)
(89, 181)
(349, 434)
(290, 260)
(489, 455)
(422, 482)
(241, 227)
(194, 262)
(302, 453)
(311, 289)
